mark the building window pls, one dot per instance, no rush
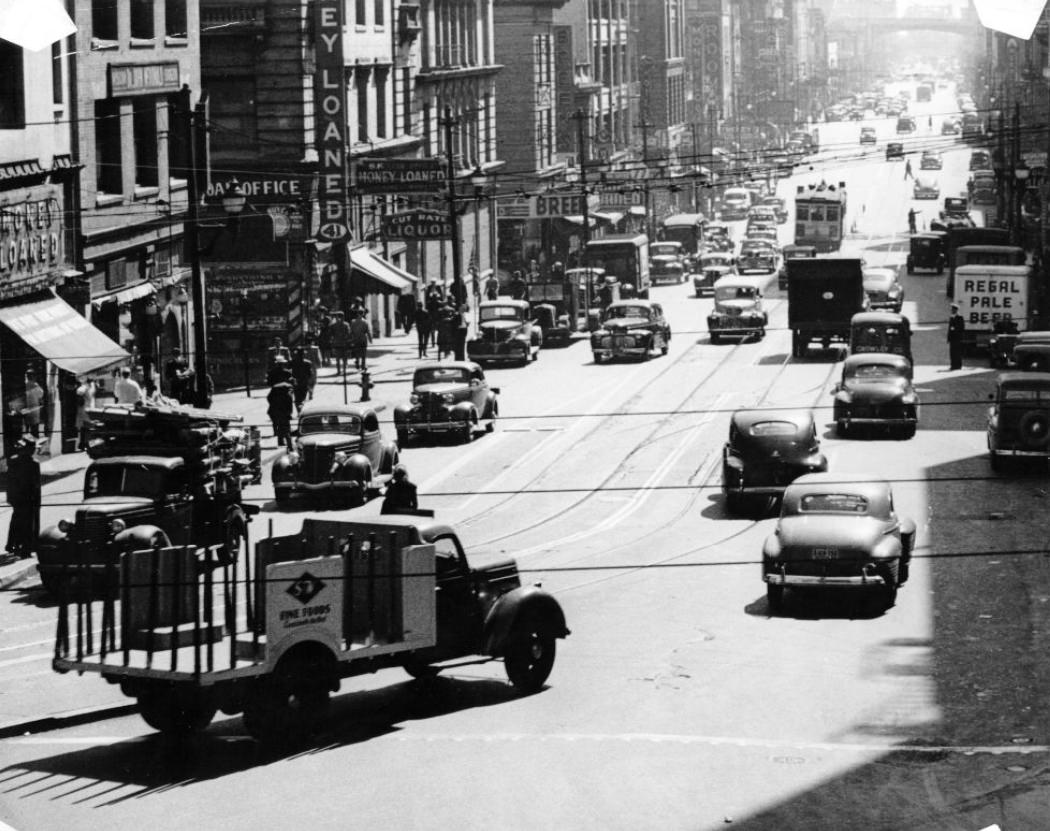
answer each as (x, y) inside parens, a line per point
(145, 130)
(108, 173)
(12, 88)
(361, 84)
(382, 79)
(359, 12)
(232, 113)
(380, 12)
(175, 25)
(406, 87)
(56, 72)
(142, 19)
(178, 158)
(104, 19)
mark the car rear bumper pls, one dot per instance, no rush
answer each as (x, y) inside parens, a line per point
(866, 578)
(622, 352)
(882, 422)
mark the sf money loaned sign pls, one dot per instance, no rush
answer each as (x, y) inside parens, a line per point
(330, 116)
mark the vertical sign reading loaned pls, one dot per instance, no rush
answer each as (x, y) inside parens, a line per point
(330, 117)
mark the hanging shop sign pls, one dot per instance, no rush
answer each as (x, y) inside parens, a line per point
(412, 225)
(30, 232)
(331, 119)
(397, 175)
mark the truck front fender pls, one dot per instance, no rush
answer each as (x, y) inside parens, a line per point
(525, 601)
(141, 537)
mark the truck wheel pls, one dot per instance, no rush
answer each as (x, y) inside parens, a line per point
(529, 657)
(421, 671)
(1034, 429)
(176, 711)
(284, 711)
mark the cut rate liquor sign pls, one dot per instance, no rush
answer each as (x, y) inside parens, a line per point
(330, 117)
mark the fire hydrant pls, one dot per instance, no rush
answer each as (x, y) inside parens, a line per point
(366, 385)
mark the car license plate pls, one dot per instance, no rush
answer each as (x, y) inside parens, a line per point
(825, 553)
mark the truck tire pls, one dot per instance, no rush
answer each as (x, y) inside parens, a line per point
(286, 708)
(177, 711)
(774, 597)
(529, 657)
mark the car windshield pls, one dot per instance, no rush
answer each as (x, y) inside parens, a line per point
(330, 423)
(441, 375)
(125, 480)
(658, 249)
(873, 371)
(833, 503)
(628, 311)
(500, 313)
(774, 429)
(735, 293)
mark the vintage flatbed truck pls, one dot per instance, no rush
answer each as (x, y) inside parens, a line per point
(164, 475)
(272, 635)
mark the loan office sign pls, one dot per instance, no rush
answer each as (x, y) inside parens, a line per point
(330, 116)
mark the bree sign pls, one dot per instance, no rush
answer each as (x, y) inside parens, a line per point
(411, 225)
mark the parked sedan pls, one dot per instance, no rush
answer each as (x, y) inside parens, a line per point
(883, 289)
(767, 450)
(926, 188)
(450, 398)
(838, 531)
(631, 329)
(876, 391)
(339, 453)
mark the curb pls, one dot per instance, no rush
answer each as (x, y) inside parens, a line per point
(71, 719)
(12, 576)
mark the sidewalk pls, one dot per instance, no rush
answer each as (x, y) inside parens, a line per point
(390, 360)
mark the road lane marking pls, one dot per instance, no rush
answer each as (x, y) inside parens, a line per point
(642, 494)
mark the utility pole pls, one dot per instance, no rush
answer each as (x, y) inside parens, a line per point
(580, 118)
(190, 122)
(1017, 186)
(458, 288)
(644, 127)
(694, 129)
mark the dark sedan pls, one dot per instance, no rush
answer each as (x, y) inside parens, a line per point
(631, 329)
(767, 450)
(838, 531)
(451, 398)
(876, 391)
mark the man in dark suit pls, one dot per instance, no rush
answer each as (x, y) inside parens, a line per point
(956, 328)
(23, 495)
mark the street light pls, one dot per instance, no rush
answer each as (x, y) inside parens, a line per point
(1021, 173)
(479, 180)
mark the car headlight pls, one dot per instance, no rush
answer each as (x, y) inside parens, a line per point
(65, 526)
(414, 398)
(340, 457)
(908, 399)
(894, 292)
(293, 458)
(448, 398)
(117, 525)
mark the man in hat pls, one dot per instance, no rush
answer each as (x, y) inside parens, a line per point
(956, 328)
(23, 495)
(360, 335)
(339, 338)
(177, 371)
(400, 493)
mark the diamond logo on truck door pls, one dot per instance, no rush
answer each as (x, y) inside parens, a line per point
(305, 588)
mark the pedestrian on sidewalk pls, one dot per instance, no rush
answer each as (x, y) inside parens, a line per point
(339, 338)
(912, 213)
(907, 169)
(406, 307)
(435, 307)
(85, 401)
(360, 336)
(446, 330)
(459, 333)
(324, 343)
(280, 371)
(127, 389)
(180, 376)
(23, 495)
(34, 405)
(956, 330)
(492, 287)
(422, 329)
(303, 378)
(401, 493)
(280, 406)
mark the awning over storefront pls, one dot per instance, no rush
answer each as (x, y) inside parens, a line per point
(54, 329)
(127, 295)
(612, 217)
(577, 219)
(380, 269)
(636, 210)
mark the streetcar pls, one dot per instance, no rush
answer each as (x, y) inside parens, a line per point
(820, 215)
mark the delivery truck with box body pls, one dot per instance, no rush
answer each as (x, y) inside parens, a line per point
(989, 294)
(823, 296)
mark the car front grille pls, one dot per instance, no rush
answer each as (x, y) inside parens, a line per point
(316, 463)
(92, 528)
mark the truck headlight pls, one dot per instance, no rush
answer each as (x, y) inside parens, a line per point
(448, 398)
(414, 398)
(117, 525)
(340, 457)
(293, 458)
(65, 526)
